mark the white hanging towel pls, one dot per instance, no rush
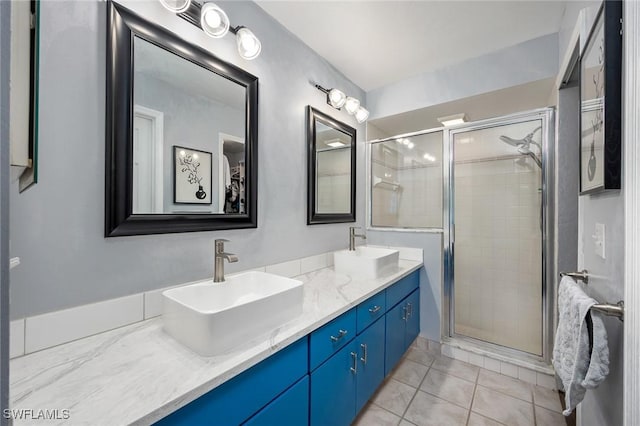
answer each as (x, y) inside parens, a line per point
(227, 172)
(578, 367)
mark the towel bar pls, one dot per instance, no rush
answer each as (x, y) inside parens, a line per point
(582, 275)
(616, 310)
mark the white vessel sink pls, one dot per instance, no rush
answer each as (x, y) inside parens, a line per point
(366, 262)
(211, 318)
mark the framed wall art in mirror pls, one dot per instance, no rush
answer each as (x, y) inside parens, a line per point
(331, 167)
(601, 100)
(181, 134)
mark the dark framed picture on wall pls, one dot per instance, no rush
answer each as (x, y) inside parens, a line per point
(601, 101)
(191, 176)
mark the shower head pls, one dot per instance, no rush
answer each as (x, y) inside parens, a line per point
(524, 145)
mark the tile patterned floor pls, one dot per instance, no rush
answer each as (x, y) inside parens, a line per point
(429, 389)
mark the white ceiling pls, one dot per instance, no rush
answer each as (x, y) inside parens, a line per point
(375, 43)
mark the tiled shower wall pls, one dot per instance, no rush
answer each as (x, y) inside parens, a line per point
(498, 258)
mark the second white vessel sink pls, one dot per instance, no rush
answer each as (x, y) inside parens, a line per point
(212, 318)
(366, 262)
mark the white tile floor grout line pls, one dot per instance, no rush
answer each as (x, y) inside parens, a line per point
(476, 382)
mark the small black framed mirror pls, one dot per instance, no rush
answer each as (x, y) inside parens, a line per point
(331, 168)
(182, 134)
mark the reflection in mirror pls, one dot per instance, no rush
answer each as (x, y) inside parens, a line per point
(406, 182)
(331, 178)
(333, 170)
(188, 136)
(182, 134)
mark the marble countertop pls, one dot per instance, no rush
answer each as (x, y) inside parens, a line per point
(138, 374)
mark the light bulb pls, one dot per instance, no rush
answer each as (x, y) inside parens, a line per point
(410, 145)
(176, 6)
(337, 98)
(195, 156)
(351, 105)
(362, 115)
(249, 46)
(213, 20)
(182, 153)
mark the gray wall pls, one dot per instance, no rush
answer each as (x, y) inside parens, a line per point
(430, 275)
(601, 406)
(532, 60)
(57, 226)
(189, 121)
(5, 13)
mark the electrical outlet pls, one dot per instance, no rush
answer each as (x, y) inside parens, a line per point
(599, 239)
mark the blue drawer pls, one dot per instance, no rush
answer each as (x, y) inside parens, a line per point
(370, 310)
(292, 408)
(328, 339)
(402, 288)
(236, 400)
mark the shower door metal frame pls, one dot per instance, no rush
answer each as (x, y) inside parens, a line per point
(546, 115)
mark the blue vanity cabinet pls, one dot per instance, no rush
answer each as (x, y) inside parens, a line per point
(241, 397)
(329, 338)
(413, 318)
(394, 343)
(370, 370)
(370, 310)
(290, 408)
(402, 327)
(333, 389)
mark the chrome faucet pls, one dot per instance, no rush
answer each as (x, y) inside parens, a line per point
(352, 237)
(220, 256)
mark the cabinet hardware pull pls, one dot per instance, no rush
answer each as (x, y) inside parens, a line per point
(375, 309)
(409, 310)
(341, 334)
(354, 357)
(404, 313)
(364, 353)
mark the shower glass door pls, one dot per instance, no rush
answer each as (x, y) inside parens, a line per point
(497, 222)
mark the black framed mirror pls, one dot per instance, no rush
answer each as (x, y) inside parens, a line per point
(331, 168)
(182, 134)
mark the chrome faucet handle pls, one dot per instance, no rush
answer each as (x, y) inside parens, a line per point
(219, 244)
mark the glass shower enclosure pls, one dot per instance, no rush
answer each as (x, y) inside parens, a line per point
(496, 209)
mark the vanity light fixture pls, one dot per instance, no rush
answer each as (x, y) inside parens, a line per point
(351, 105)
(249, 46)
(362, 115)
(337, 99)
(453, 120)
(176, 6)
(211, 19)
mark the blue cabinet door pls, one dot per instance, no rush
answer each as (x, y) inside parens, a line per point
(413, 318)
(370, 373)
(236, 400)
(289, 409)
(333, 389)
(395, 336)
